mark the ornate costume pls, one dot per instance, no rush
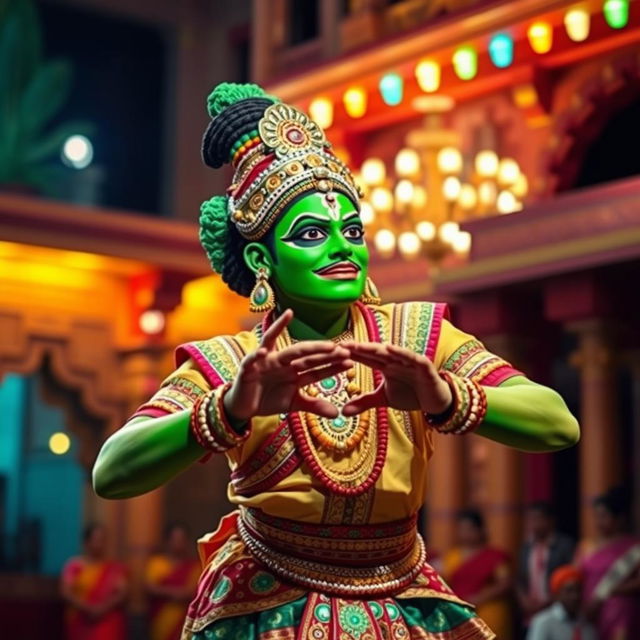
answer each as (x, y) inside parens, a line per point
(323, 544)
(296, 538)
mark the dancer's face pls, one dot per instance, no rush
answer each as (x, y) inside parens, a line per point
(319, 251)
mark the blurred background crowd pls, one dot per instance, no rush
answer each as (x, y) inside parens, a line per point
(496, 145)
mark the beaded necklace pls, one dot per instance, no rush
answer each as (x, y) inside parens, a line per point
(342, 435)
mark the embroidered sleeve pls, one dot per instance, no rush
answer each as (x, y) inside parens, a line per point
(178, 392)
(464, 356)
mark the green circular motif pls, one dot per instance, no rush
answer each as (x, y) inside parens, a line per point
(328, 383)
(323, 612)
(392, 610)
(262, 582)
(339, 422)
(354, 620)
(222, 588)
(376, 609)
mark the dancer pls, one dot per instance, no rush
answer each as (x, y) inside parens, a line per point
(325, 410)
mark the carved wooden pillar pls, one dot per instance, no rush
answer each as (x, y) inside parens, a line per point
(143, 516)
(582, 303)
(600, 453)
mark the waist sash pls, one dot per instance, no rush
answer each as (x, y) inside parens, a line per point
(352, 561)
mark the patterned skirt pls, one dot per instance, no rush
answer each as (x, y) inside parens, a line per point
(318, 617)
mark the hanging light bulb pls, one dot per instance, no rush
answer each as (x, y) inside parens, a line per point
(487, 193)
(616, 13)
(426, 230)
(321, 111)
(462, 242)
(373, 171)
(540, 36)
(419, 197)
(486, 163)
(382, 200)
(407, 163)
(507, 202)
(468, 197)
(428, 75)
(367, 214)
(448, 231)
(385, 242)
(451, 188)
(577, 22)
(391, 89)
(404, 191)
(520, 187)
(355, 102)
(501, 50)
(508, 171)
(409, 244)
(449, 160)
(465, 63)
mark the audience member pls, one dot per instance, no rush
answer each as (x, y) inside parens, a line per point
(95, 589)
(562, 620)
(611, 566)
(481, 574)
(544, 551)
(171, 581)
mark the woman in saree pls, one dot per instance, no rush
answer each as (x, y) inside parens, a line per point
(481, 574)
(94, 589)
(325, 410)
(611, 568)
(171, 579)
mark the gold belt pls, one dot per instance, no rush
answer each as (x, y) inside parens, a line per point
(342, 560)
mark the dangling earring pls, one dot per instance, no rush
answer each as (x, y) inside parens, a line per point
(262, 297)
(370, 294)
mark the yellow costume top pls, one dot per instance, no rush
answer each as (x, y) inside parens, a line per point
(282, 478)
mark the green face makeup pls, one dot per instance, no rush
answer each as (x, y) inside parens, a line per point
(320, 252)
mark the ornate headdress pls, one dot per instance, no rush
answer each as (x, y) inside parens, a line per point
(278, 154)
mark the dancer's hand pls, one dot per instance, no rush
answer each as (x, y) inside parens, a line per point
(270, 382)
(411, 381)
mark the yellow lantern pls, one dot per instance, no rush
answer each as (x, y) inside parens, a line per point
(577, 23)
(355, 102)
(540, 36)
(407, 163)
(321, 111)
(428, 75)
(373, 171)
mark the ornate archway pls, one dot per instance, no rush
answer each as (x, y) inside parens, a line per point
(583, 115)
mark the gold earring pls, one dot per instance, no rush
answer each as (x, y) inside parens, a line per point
(370, 294)
(262, 297)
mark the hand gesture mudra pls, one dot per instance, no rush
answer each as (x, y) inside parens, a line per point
(411, 381)
(270, 382)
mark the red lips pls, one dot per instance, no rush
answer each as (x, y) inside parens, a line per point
(340, 271)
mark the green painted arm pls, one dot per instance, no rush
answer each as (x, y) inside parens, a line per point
(144, 454)
(528, 416)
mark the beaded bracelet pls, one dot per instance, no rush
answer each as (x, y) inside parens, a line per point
(209, 423)
(468, 409)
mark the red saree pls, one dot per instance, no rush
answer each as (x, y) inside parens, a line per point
(166, 615)
(471, 575)
(94, 584)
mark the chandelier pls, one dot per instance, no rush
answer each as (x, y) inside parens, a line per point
(415, 207)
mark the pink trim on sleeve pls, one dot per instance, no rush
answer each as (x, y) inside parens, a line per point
(191, 350)
(498, 376)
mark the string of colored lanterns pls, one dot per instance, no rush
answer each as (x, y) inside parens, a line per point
(428, 72)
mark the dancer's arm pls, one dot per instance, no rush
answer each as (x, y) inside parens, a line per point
(528, 416)
(147, 452)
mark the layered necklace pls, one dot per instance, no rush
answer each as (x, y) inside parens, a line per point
(354, 447)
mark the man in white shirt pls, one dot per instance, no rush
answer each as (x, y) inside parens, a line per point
(562, 620)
